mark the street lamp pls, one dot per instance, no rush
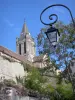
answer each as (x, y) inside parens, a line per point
(52, 33)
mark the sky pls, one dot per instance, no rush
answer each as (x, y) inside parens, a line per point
(13, 13)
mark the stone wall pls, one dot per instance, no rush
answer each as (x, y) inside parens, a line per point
(26, 98)
(10, 67)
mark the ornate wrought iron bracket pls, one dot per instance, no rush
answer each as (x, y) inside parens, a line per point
(55, 15)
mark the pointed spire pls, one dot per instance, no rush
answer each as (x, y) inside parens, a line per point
(24, 29)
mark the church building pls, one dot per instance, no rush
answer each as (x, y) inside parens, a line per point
(10, 62)
(25, 44)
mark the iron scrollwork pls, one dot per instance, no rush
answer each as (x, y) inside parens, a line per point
(55, 15)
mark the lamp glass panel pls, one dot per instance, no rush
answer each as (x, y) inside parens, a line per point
(52, 36)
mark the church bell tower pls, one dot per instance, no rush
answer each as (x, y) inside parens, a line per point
(25, 44)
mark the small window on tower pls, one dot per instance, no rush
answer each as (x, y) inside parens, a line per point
(24, 47)
(20, 49)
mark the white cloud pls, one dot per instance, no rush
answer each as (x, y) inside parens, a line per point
(9, 23)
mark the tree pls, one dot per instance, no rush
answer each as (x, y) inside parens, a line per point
(64, 52)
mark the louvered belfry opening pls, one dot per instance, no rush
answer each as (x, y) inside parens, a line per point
(20, 49)
(25, 47)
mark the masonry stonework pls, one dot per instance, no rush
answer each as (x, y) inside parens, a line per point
(10, 62)
(27, 43)
(9, 70)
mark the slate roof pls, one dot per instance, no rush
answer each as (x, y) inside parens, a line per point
(24, 29)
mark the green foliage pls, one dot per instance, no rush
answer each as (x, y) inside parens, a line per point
(66, 42)
(42, 42)
(50, 88)
(64, 51)
(65, 90)
(34, 80)
(59, 78)
(20, 80)
(9, 82)
(47, 90)
(66, 45)
(61, 92)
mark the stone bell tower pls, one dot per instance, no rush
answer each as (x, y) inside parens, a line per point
(25, 44)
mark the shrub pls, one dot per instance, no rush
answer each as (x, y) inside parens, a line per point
(66, 91)
(34, 80)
